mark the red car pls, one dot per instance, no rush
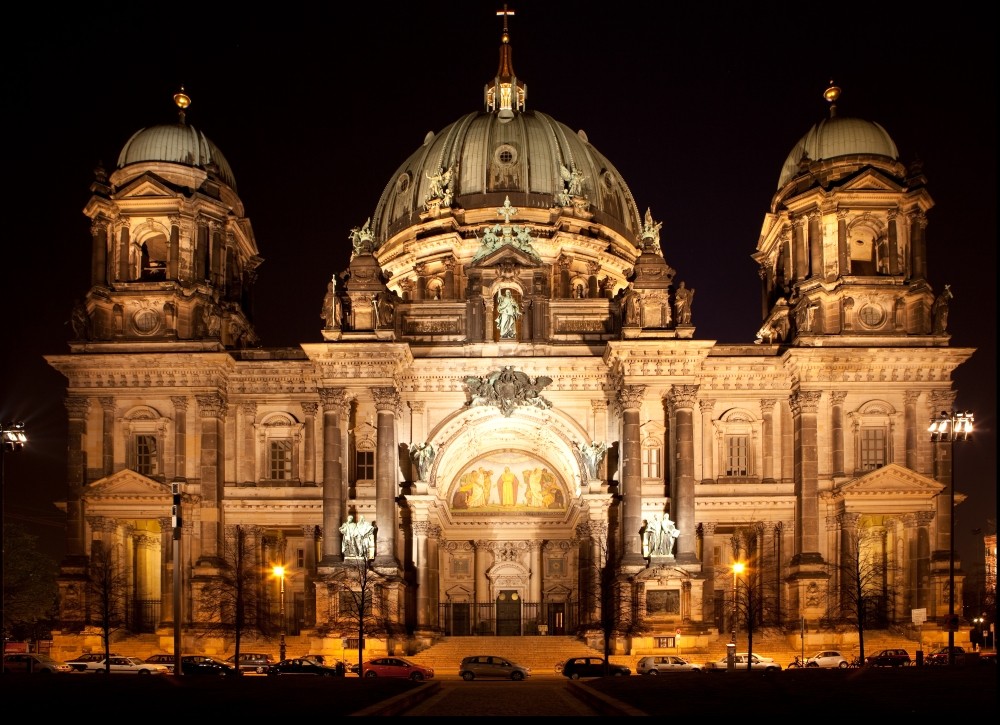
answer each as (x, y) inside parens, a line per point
(395, 667)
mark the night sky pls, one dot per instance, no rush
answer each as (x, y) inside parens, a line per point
(315, 110)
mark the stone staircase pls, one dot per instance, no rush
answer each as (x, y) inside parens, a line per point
(540, 653)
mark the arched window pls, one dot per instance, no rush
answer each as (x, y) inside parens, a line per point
(737, 436)
(279, 437)
(872, 426)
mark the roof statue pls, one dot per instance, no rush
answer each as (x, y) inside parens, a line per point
(363, 239)
(513, 235)
(650, 236)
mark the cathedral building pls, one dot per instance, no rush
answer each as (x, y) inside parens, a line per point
(510, 423)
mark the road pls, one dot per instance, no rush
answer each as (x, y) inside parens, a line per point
(537, 697)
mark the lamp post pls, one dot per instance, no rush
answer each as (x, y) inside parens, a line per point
(279, 571)
(738, 568)
(12, 440)
(978, 624)
(949, 427)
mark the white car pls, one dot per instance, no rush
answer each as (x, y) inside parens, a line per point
(828, 658)
(757, 662)
(655, 664)
(127, 666)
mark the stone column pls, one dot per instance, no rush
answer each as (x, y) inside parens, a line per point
(837, 430)
(482, 564)
(124, 245)
(843, 244)
(422, 563)
(77, 410)
(166, 571)
(814, 231)
(767, 439)
(99, 252)
(941, 450)
(804, 405)
(630, 404)
(800, 253)
(707, 468)
(910, 428)
(535, 585)
(245, 440)
(918, 245)
(309, 536)
(309, 410)
(108, 437)
(334, 406)
(683, 399)
(174, 250)
(212, 411)
(448, 293)
(180, 404)
(708, 570)
(387, 405)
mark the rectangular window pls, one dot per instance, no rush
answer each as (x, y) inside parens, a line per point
(365, 465)
(738, 455)
(651, 463)
(280, 460)
(872, 448)
(145, 455)
(300, 558)
(666, 642)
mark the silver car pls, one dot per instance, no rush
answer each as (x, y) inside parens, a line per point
(482, 666)
(757, 662)
(828, 658)
(655, 664)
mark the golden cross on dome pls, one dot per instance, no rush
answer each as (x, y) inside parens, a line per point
(505, 13)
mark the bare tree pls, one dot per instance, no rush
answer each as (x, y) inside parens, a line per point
(609, 599)
(358, 602)
(755, 593)
(862, 592)
(107, 594)
(235, 602)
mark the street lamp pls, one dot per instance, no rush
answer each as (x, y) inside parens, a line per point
(949, 428)
(12, 440)
(279, 571)
(738, 568)
(977, 622)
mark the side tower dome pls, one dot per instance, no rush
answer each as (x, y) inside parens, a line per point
(173, 257)
(842, 251)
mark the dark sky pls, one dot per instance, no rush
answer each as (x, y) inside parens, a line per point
(315, 109)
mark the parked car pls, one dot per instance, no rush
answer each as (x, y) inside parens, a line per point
(757, 662)
(892, 657)
(576, 667)
(82, 662)
(940, 656)
(828, 658)
(257, 662)
(483, 666)
(655, 664)
(162, 659)
(127, 666)
(305, 666)
(395, 667)
(206, 666)
(33, 664)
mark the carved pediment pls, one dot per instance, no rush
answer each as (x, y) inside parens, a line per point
(126, 484)
(871, 180)
(509, 255)
(146, 185)
(890, 480)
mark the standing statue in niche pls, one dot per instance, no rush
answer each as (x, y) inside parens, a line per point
(633, 308)
(682, 304)
(80, 321)
(939, 310)
(422, 455)
(668, 536)
(508, 313)
(358, 538)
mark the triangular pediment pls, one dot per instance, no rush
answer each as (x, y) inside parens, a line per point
(507, 254)
(126, 483)
(146, 185)
(890, 480)
(870, 180)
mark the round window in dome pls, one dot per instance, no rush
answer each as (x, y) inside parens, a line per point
(608, 180)
(403, 182)
(505, 155)
(146, 322)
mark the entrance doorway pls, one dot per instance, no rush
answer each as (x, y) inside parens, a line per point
(557, 618)
(508, 613)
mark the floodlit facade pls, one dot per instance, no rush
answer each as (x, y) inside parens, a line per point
(510, 400)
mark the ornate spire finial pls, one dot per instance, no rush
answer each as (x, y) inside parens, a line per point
(506, 93)
(831, 94)
(183, 100)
